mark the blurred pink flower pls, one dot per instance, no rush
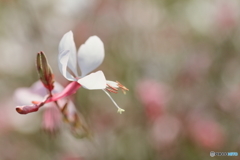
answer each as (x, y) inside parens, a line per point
(206, 133)
(51, 119)
(52, 115)
(195, 68)
(229, 100)
(154, 97)
(71, 158)
(165, 131)
(102, 122)
(227, 14)
(5, 114)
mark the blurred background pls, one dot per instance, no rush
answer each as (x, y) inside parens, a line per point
(179, 58)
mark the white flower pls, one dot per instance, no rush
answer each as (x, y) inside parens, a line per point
(89, 56)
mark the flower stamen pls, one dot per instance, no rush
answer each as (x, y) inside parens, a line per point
(124, 89)
(110, 90)
(112, 87)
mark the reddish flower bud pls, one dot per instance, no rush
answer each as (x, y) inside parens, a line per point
(27, 109)
(44, 71)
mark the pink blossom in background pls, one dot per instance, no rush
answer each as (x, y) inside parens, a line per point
(206, 133)
(195, 67)
(51, 119)
(165, 131)
(103, 121)
(26, 95)
(227, 14)
(51, 116)
(69, 157)
(229, 100)
(5, 124)
(153, 96)
(72, 158)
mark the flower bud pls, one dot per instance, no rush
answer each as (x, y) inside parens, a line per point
(44, 71)
(27, 109)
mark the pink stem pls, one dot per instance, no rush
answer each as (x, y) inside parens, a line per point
(69, 90)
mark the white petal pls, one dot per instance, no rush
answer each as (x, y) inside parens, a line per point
(112, 84)
(24, 96)
(38, 88)
(57, 87)
(62, 64)
(90, 55)
(93, 81)
(67, 45)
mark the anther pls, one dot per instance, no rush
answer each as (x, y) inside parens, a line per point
(124, 89)
(112, 87)
(110, 90)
